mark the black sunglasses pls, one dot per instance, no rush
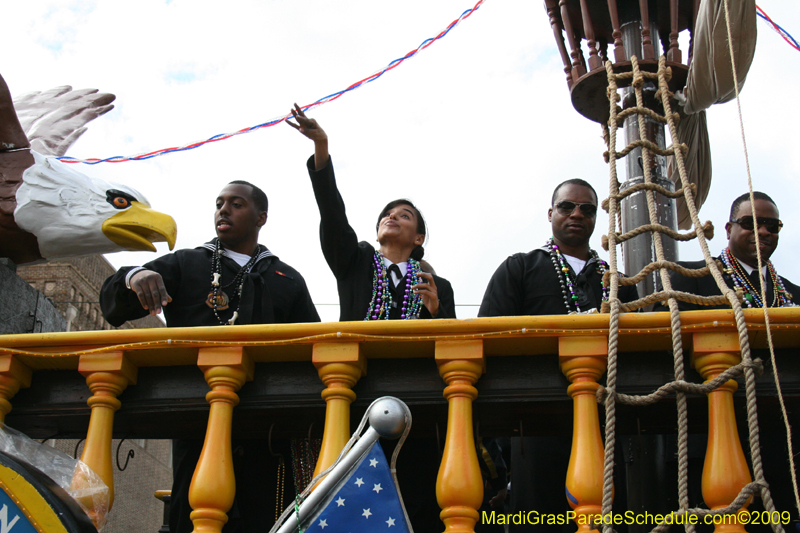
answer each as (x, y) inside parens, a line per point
(773, 225)
(566, 208)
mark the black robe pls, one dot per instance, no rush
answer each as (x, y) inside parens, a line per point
(351, 261)
(528, 284)
(273, 293)
(707, 286)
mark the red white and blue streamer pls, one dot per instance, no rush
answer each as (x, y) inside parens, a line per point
(324, 100)
(780, 31)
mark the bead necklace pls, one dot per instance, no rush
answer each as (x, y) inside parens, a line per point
(566, 280)
(752, 296)
(382, 301)
(217, 299)
(305, 453)
(279, 489)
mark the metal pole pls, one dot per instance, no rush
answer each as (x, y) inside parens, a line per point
(639, 251)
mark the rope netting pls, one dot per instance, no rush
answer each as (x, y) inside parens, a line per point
(747, 367)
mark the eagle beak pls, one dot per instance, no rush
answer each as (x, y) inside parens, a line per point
(137, 227)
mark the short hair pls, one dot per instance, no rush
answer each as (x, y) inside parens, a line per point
(422, 228)
(259, 198)
(757, 195)
(573, 181)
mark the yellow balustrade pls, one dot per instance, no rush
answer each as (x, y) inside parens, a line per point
(13, 376)
(583, 361)
(459, 486)
(725, 470)
(107, 375)
(213, 484)
(340, 366)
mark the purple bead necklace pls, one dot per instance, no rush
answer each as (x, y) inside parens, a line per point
(382, 299)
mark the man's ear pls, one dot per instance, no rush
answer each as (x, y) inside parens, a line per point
(262, 219)
(550, 215)
(728, 226)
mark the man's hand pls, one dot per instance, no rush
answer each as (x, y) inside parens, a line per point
(427, 290)
(149, 287)
(499, 498)
(310, 128)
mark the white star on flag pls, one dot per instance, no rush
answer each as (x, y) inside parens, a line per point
(367, 499)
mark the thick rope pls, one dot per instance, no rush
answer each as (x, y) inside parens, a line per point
(675, 321)
(792, 467)
(744, 340)
(681, 386)
(648, 186)
(682, 270)
(662, 296)
(613, 301)
(643, 143)
(646, 111)
(708, 229)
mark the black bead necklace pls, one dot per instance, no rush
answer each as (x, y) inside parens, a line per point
(566, 281)
(217, 295)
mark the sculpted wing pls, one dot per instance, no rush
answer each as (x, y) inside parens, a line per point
(54, 119)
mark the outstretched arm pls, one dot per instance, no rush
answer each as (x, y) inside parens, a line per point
(312, 130)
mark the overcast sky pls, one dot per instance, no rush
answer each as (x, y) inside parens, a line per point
(477, 129)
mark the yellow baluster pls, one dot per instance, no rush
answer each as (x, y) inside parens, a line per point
(213, 484)
(340, 366)
(459, 486)
(725, 470)
(107, 375)
(583, 360)
(13, 376)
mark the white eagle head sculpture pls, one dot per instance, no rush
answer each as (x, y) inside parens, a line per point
(49, 210)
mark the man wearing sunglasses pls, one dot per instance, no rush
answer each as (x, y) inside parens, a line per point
(740, 262)
(562, 277)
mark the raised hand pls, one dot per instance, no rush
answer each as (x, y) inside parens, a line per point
(307, 126)
(311, 129)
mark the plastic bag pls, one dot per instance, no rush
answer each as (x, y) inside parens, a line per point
(93, 493)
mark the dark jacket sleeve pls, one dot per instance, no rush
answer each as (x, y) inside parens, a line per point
(120, 304)
(339, 241)
(303, 309)
(503, 296)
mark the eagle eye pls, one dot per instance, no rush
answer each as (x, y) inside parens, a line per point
(119, 199)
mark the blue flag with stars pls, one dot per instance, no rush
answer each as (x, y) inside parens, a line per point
(366, 501)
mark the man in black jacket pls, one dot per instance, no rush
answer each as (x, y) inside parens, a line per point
(230, 280)
(740, 264)
(562, 277)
